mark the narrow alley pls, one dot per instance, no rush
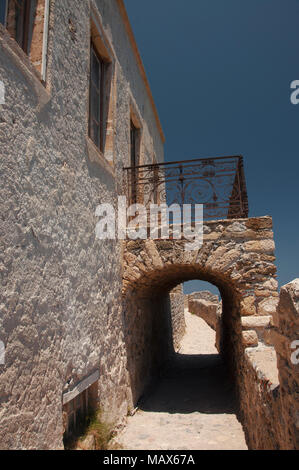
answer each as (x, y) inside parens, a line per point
(192, 407)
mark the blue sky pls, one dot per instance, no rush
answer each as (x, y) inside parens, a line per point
(220, 72)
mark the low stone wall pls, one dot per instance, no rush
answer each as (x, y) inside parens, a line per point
(260, 405)
(204, 295)
(286, 340)
(177, 305)
(269, 380)
(210, 312)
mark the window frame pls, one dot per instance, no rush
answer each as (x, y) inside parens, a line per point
(104, 154)
(22, 12)
(29, 30)
(100, 94)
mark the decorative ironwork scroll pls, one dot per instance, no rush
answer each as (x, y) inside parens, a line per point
(217, 183)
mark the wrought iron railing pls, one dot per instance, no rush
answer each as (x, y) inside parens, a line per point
(217, 183)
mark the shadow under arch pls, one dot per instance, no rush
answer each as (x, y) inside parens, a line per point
(147, 322)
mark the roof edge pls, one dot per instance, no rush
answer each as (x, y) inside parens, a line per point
(130, 33)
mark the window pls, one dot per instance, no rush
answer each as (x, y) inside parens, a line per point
(134, 131)
(18, 17)
(134, 162)
(27, 23)
(102, 97)
(96, 98)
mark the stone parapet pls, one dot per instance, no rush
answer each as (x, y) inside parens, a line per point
(269, 381)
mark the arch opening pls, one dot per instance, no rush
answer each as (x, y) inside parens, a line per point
(237, 257)
(149, 330)
(202, 307)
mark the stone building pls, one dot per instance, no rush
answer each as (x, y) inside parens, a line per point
(78, 108)
(86, 322)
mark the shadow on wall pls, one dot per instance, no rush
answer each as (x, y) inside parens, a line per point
(148, 337)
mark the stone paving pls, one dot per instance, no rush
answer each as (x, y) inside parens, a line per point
(192, 406)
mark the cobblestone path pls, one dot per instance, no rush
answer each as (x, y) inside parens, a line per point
(192, 407)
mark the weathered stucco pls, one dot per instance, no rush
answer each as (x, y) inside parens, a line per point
(61, 315)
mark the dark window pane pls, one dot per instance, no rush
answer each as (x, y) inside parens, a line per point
(19, 19)
(71, 423)
(133, 162)
(85, 408)
(95, 103)
(2, 11)
(95, 70)
(133, 145)
(31, 19)
(95, 133)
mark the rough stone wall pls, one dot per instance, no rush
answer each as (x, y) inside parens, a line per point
(269, 390)
(286, 341)
(153, 328)
(204, 295)
(61, 316)
(260, 405)
(148, 339)
(178, 323)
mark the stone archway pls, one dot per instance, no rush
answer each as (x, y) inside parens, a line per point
(237, 256)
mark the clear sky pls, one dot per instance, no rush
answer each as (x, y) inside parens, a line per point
(220, 73)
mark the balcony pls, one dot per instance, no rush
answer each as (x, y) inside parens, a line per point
(217, 183)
